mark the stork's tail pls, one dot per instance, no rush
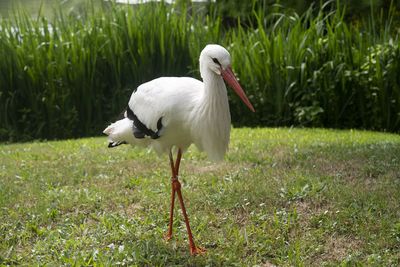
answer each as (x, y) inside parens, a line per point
(114, 144)
(120, 132)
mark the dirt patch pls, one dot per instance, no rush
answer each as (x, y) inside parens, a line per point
(267, 264)
(132, 209)
(204, 167)
(337, 248)
(307, 209)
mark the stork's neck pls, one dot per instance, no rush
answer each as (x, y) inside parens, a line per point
(215, 98)
(211, 118)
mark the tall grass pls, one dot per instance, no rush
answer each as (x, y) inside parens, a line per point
(317, 70)
(69, 76)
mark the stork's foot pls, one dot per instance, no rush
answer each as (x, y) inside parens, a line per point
(167, 237)
(197, 250)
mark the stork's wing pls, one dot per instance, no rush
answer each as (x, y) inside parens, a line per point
(157, 103)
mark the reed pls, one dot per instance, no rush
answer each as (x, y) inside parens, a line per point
(69, 76)
(316, 70)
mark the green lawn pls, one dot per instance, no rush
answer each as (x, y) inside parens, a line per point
(282, 196)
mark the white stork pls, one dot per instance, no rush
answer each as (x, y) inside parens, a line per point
(175, 112)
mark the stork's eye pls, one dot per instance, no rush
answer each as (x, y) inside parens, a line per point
(216, 61)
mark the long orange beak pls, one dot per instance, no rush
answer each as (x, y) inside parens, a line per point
(230, 78)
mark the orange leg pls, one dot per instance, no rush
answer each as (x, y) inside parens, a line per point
(168, 236)
(176, 188)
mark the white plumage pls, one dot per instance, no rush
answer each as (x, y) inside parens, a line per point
(192, 111)
(176, 112)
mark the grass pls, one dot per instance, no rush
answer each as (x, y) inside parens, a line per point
(315, 69)
(282, 196)
(65, 76)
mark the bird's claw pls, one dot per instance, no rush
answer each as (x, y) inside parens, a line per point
(197, 250)
(167, 237)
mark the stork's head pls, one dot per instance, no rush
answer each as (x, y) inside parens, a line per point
(214, 57)
(218, 60)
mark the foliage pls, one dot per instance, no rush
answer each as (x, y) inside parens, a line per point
(287, 197)
(317, 71)
(354, 12)
(71, 75)
(68, 77)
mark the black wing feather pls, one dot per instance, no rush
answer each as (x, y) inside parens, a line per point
(139, 129)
